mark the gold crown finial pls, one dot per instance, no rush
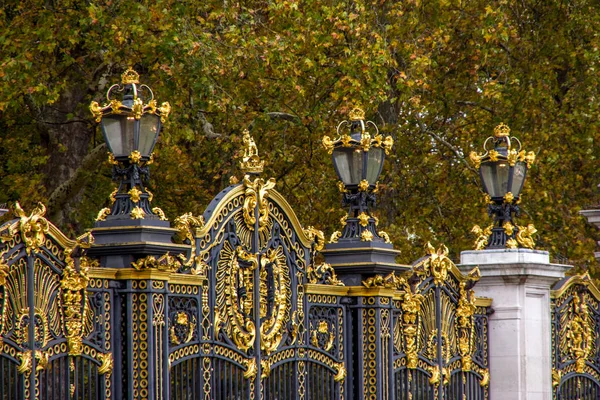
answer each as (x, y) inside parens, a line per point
(501, 130)
(130, 76)
(357, 114)
(251, 162)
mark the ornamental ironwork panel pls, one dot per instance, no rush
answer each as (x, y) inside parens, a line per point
(575, 305)
(55, 323)
(248, 330)
(439, 333)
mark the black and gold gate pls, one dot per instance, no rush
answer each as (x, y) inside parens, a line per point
(440, 333)
(248, 330)
(55, 321)
(575, 306)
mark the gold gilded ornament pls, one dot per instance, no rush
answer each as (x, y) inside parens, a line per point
(134, 194)
(346, 140)
(494, 155)
(483, 236)
(323, 274)
(137, 213)
(135, 157)
(363, 186)
(475, 159)
(33, 228)
(356, 114)
(340, 374)
(363, 219)
(512, 244)
(160, 213)
(366, 236)
(130, 76)
(102, 214)
(385, 236)
(251, 162)
(508, 228)
(509, 197)
(502, 130)
(76, 308)
(328, 144)
(316, 236)
(96, 111)
(165, 110)
(524, 236)
(335, 237)
(530, 159)
(106, 363)
(138, 108)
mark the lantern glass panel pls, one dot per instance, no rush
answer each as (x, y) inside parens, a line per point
(149, 129)
(348, 164)
(374, 164)
(519, 172)
(119, 134)
(495, 177)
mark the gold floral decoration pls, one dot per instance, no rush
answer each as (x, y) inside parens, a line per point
(366, 236)
(134, 194)
(483, 236)
(137, 213)
(363, 186)
(512, 244)
(363, 219)
(524, 236)
(165, 262)
(135, 157)
(509, 197)
(102, 214)
(161, 214)
(335, 237)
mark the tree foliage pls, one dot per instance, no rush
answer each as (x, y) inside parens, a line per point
(438, 76)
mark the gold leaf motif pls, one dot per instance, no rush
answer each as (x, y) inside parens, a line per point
(102, 214)
(346, 139)
(363, 186)
(530, 159)
(366, 236)
(160, 213)
(134, 194)
(323, 274)
(340, 372)
(363, 219)
(73, 284)
(524, 236)
(111, 159)
(343, 220)
(115, 106)
(113, 195)
(251, 370)
(475, 159)
(96, 111)
(387, 145)
(165, 110)
(435, 374)
(335, 237)
(509, 197)
(365, 141)
(165, 262)
(385, 236)
(328, 144)
(390, 281)
(556, 377)
(485, 378)
(137, 213)
(511, 244)
(316, 236)
(138, 108)
(106, 363)
(494, 155)
(512, 157)
(342, 187)
(483, 236)
(508, 228)
(135, 157)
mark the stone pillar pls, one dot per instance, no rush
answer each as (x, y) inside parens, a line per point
(519, 283)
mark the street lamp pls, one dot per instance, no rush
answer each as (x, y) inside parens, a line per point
(358, 157)
(130, 128)
(503, 168)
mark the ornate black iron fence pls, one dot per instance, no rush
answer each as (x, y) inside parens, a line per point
(575, 308)
(247, 314)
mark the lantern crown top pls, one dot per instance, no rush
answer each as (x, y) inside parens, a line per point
(502, 130)
(357, 114)
(130, 76)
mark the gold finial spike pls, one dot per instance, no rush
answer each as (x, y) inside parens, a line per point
(251, 162)
(130, 76)
(502, 130)
(357, 114)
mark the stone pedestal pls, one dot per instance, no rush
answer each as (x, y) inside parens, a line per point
(519, 282)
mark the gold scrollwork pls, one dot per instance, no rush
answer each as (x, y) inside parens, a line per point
(335, 236)
(483, 236)
(165, 262)
(102, 214)
(390, 281)
(106, 363)
(366, 236)
(257, 194)
(384, 235)
(251, 369)
(323, 273)
(161, 214)
(316, 236)
(524, 236)
(33, 228)
(340, 374)
(137, 213)
(438, 264)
